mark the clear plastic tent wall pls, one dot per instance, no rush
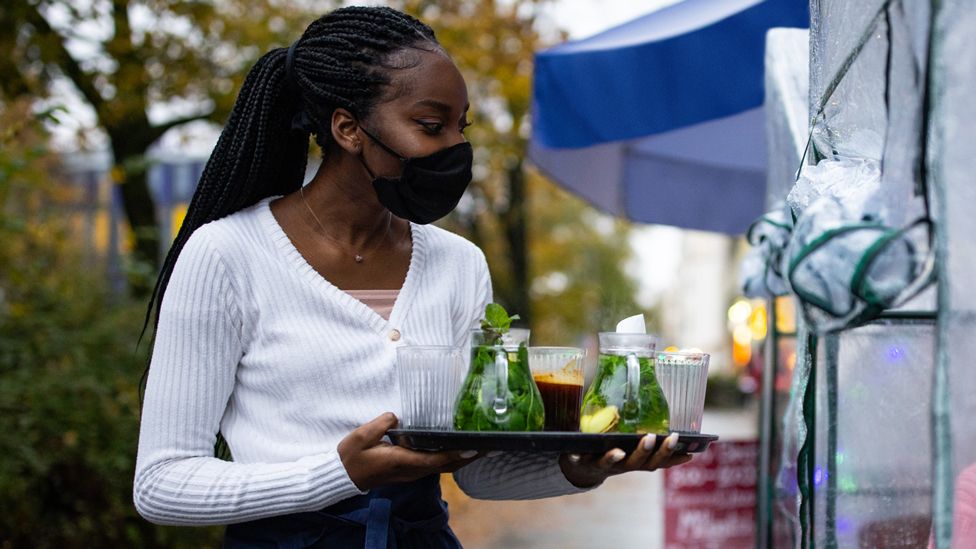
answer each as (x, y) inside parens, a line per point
(878, 441)
(787, 90)
(785, 108)
(951, 156)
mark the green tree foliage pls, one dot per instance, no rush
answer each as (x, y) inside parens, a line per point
(178, 52)
(69, 372)
(126, 56)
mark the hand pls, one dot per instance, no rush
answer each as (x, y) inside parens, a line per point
(371, 462)
(589, 470)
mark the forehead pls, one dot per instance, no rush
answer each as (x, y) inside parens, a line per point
(425, 77)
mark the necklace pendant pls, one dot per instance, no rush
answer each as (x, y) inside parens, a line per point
(359, 258)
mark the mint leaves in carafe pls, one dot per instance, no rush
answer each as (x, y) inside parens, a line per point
(607, 406)
(499, 393)
(496, 323)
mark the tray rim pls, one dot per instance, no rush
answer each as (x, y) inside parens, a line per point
(701, 441)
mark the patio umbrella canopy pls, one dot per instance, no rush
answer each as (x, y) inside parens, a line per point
(660, 119)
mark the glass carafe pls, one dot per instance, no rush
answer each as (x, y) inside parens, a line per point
(625, 396)
(499, 393)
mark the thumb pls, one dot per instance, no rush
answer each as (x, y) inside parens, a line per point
(610, 459)
(373, 431)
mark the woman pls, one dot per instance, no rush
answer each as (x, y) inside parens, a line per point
(281, 307)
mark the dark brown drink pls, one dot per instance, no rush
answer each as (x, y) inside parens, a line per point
(562, 403)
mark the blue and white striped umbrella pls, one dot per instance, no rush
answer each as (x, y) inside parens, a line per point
(660, 119)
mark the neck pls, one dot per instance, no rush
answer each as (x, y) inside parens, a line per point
(344, 202)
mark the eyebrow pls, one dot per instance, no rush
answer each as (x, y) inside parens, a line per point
(433, 103)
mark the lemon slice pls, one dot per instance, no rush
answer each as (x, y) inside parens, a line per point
(601, 421)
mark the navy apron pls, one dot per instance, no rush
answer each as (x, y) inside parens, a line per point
(399, 516)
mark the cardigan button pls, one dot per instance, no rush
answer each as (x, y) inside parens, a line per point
(394, 335)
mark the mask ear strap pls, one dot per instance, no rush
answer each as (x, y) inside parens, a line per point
(382, 145)
(362, 161)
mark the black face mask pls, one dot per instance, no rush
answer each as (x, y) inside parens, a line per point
(429, 187)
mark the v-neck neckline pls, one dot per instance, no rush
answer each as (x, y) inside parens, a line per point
(400, 307)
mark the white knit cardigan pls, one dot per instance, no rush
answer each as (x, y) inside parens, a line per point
(252, 342)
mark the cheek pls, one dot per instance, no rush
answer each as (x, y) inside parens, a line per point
(413, 144)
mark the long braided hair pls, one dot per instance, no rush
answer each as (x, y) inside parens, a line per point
(342, 60)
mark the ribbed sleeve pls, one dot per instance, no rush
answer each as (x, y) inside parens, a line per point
(515, 475)
(197, 349)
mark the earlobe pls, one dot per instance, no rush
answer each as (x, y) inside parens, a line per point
(344, 126)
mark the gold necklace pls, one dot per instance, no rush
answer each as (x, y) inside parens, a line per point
(358, 257)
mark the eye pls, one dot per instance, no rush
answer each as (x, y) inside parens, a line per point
(431, 127)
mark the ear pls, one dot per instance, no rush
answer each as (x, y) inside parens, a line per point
(344, 126)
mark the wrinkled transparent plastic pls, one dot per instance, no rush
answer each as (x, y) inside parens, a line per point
(844, 261)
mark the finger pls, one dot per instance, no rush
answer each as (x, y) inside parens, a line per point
(370, 434)
(584, 459)
(427, 461)
(610, 460)
(447, 462)
(641, 454)
(663, 453)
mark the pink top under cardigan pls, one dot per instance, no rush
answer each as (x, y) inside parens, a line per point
(380, 301)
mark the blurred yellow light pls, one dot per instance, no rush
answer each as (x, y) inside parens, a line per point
(757, 322)
(791, 361)
(785, 315)
(178, 215)
(741, 354)
(101, 231)
(670, 349)
(742, 335)
(739, 312)
(128, 240)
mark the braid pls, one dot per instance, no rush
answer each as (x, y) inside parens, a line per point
(340, 61)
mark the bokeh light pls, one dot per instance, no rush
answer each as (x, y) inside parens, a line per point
(739, 312)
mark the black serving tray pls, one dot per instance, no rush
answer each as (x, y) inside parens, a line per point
(547, 441)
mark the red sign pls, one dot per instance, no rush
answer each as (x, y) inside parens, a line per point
(710, 503)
